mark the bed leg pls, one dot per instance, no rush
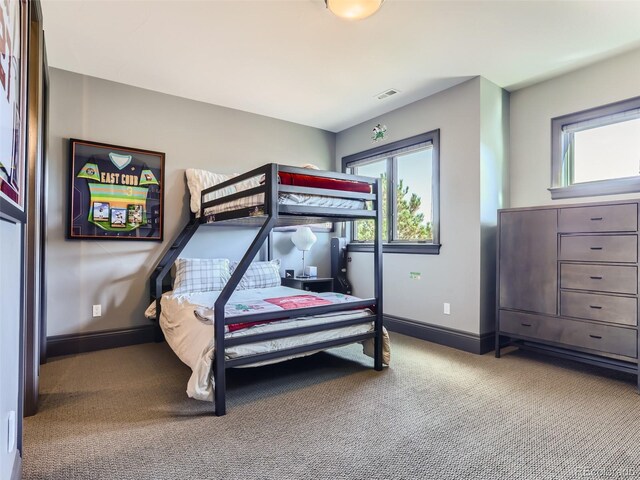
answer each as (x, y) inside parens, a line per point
(220, 389)
(377, 351)
(219, 367)
(377, 364)
(158, 336)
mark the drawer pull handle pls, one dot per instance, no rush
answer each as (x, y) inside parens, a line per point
(598, 337)
(596, 307)
(596, 277)
(596, 248)
(526, 324)
(596, 219)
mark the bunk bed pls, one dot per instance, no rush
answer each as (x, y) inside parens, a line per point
(272, 196)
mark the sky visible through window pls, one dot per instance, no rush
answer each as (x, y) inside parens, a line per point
(415, 171)
(611, 151)
(375, 169)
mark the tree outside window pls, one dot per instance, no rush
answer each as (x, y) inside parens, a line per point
(412, 223)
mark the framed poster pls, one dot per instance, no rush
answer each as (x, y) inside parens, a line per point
(115, 192)
(13, 93)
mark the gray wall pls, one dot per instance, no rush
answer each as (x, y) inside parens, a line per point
(472, 118)
(533, 108)
(10, 319)
(115, 274)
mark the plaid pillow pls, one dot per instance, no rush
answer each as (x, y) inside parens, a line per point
(260, 275)
(201, 275)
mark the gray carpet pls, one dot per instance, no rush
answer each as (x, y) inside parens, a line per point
(437, 413)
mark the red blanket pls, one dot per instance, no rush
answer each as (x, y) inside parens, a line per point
(298, 301)
(286, 303)
(323, 182)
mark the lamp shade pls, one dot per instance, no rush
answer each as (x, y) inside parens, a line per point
(353, 9)
(303, 238)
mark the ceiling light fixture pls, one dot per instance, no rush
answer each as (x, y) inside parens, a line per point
(353, 9)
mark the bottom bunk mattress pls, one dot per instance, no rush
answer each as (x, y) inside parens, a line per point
(187, 324)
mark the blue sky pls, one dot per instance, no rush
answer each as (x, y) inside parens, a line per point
(415, 170)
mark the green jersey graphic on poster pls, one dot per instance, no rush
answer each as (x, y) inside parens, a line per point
(116, 192)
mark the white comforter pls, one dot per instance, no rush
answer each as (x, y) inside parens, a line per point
(191, 338)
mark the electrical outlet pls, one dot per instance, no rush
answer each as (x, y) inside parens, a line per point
(447, 309)
(97, 310)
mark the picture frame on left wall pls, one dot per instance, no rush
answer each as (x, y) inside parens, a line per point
(115, 193)
(13, 103)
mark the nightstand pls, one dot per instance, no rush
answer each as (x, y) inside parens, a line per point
(311, 284)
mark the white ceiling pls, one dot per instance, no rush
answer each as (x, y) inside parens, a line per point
(293, 60)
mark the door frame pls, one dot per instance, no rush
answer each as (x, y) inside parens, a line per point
(33, 234)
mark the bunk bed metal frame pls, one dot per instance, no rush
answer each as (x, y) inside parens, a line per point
(267, 216)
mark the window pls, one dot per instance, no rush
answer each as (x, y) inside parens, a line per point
(409, 170)
(597, 152)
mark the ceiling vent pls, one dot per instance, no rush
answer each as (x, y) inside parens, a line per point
(387, 93)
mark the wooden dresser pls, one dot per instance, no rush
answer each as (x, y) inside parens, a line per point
(568, 282)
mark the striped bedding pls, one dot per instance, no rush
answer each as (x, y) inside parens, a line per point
(288, 199)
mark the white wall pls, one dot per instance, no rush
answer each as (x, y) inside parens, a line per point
(10, 319)
(533, 108)
(192, 134)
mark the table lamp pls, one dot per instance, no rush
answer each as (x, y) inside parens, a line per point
(303, 238)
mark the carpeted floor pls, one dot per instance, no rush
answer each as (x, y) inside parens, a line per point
(437, 413)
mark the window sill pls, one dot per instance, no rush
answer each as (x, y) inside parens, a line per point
(406, 248)
(597, 188)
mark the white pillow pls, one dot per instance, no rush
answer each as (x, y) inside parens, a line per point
(201, 275)
(198, 180)
(260, 275)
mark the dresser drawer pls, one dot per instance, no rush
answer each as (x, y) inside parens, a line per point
(605, 308)
(599, 278)
(599, 248)
(605, 218)
(572, 333)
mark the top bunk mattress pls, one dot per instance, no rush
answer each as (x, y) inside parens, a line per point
(199, 180)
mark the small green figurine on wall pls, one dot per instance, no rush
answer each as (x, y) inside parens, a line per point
(378, 132)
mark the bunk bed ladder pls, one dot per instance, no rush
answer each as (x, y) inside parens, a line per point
(167, 260)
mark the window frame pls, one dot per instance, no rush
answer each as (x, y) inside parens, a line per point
(560, 186)
(402, 246)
